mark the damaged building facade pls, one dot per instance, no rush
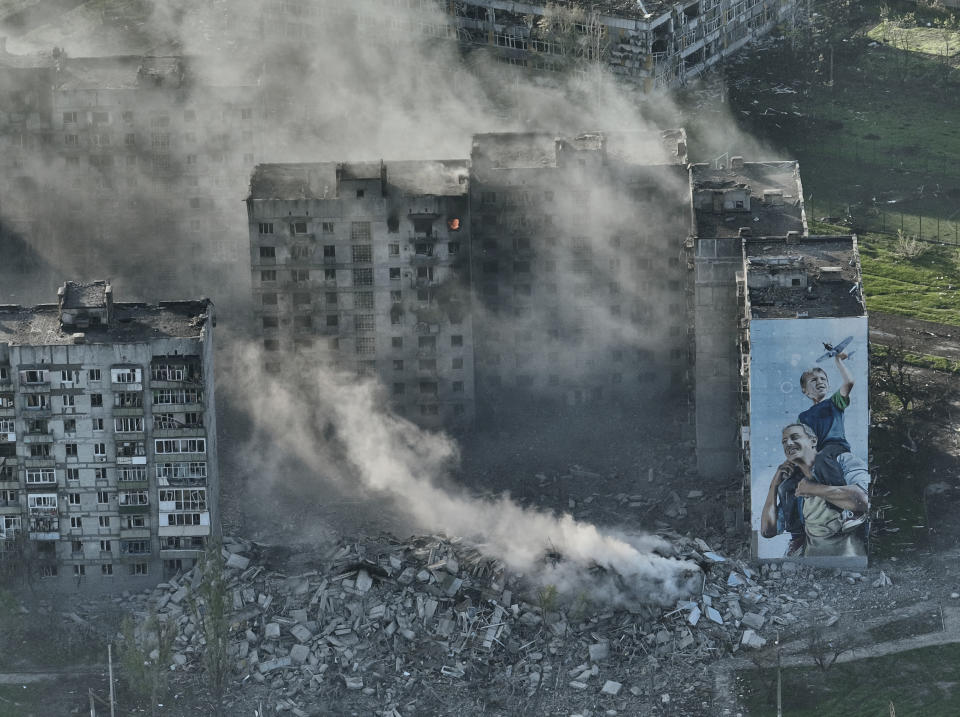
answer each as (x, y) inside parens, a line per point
(108, 444)
(140, 145)
(802, 327)
(504, 271)
(656, 45)
(364, 267)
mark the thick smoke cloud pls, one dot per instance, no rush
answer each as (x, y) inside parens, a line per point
(332, 87)
(335, 427)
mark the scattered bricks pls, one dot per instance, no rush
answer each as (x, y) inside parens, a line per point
(578, 669)
(377, 611)
(577, 685)
(271, 631)
(277, 663)
(752, 619)
(301, 632)
(611, 688)
(353, 683)
(364, 581)
(599, 651)
(299, 654)
(238, 561)
(752, 639)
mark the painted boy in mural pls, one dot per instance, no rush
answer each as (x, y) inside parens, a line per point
(820, 509)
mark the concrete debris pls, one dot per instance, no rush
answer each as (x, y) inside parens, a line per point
(752, 639)
(883, 581)
(383, 618)
(611, 688)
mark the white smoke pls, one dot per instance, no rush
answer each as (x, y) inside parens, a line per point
(390, 455)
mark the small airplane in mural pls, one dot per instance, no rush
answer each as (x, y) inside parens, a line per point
(834, 350)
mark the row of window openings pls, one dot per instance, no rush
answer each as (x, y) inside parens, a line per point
(157, 121)
(359, 253)
(125, 474)
(127, 448)
(428, 388)
(51, 570)
(161, 397)
(529, 380)
(158, 372)
(183, 499)
(125, 424)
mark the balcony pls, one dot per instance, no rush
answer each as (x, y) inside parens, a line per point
(133, 509)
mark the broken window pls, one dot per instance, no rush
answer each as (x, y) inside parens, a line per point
(268, 299)
(361, 253)
(363, 277)
(457, 364)
(73, 474)
(398, 389)
(427, 364)
(429, 409)
(268, 252)
(298, 227)
(302, 299)
(180, 445)
(395, 273)
(96, 400)
(364, 300)
(41, 475)
(133, 497)
(333, 320)
(131, 474)
(398, 364)
(42, 450)
(128, 424)
(364, 323)
(300, 275)
(457, 386)
(327, 227)
(359, 232)
(456, 340)
(128, 399)
(268, 275)
(266, 227)
(453, 247)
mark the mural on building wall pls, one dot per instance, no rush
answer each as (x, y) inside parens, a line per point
(808, 439)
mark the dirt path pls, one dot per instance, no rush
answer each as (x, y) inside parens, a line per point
(920, 336)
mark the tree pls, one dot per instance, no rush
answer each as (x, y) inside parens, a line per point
(211, 607)
(823, 651)
(145, 658)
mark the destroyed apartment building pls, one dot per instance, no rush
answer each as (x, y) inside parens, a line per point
(802, 320)
(504, 270)
(108, 442)
(654, 44)
(593, 270)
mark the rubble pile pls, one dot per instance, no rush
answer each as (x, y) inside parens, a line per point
(399, 628)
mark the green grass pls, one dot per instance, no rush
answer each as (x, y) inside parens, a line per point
(928, 40)
(879, 149)
(936, 363)
(926, 287)
(917, 682)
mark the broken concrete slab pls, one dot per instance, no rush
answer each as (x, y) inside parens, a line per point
(238, 561)
(752, 619)
(599, 651)
(299, 654)
(610, 687)
(752, 639)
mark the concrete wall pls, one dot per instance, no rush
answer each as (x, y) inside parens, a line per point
(95, 474)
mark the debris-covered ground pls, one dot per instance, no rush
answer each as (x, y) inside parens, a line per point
(429, 626)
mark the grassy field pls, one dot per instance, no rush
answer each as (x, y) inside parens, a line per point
(876, 129)
(918, 682)
(926, 40)
(927, 286)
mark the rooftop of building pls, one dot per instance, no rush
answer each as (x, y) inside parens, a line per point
(764, 219)
(319, 180)
(813, 276)
(535, 150)
(133, 323)
(78, 295)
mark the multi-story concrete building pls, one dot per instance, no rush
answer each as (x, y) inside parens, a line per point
(727, 203)
(579, 267)
(544, 268)
(108, 445)
(141, 146)
(655, 44)
(363, 266)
